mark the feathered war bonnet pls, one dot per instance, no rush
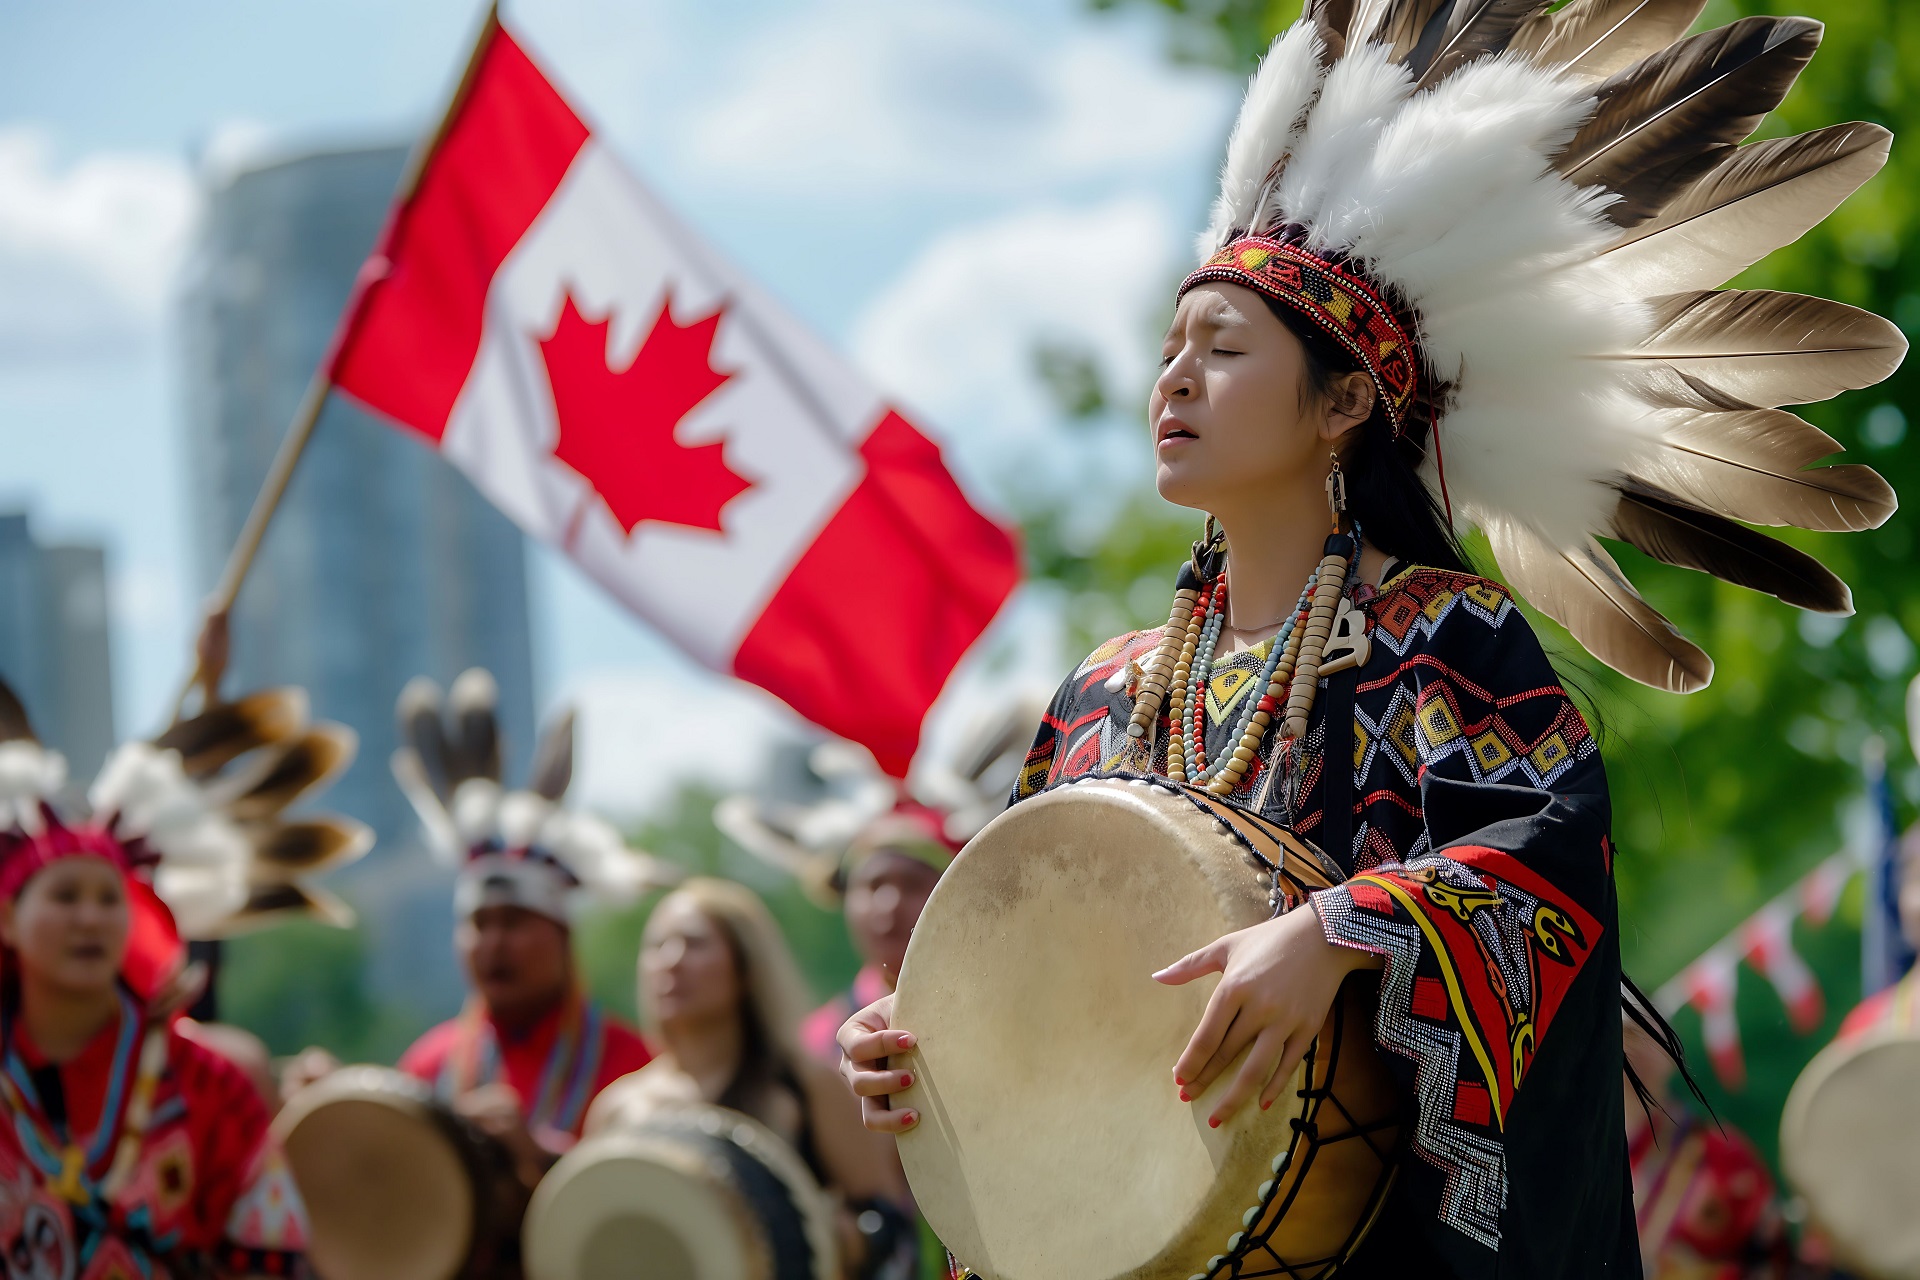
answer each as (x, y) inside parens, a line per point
(861, 812)
(195, 819)
(1519, 222)
(508, 848)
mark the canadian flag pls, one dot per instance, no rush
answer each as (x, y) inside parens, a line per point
(625, 394)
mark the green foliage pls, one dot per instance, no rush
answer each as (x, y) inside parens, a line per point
(305, 984)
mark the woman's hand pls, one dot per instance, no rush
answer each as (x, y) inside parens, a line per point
(1280, 980)
(865, 1041)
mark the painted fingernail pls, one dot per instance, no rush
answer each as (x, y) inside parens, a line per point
(906, 1040)
(1184, 1097)
(1213, 1122)
(913, 1118)
(1265, 1103)
(1181, 1081)
(906, 1078)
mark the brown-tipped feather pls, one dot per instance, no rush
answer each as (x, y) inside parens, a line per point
(474, 730)
(224, 733)
(302, 766)
(1474, 29)
(1750, 466)
(423, 728)
(1332, 17)
(1585, 592)
(283, 851)
(1410, 24)
(1595, 38)
(14, 722)
(276, 904)
(1760, 198)
(1663, 122)
(1677, 534)
(1755, 348)
(553, 762)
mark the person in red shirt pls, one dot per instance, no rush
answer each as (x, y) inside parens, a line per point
(530, 1051)
(129, 1147)
(1703, 1199)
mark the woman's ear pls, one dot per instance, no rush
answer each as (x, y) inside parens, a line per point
(1349, 403)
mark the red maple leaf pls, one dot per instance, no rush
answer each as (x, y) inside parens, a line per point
(617, 426)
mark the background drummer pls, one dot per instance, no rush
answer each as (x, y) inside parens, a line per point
(528, 1030)
(884, 879)
(720, 998)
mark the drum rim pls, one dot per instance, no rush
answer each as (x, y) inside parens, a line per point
(372, 1083)
(1795, 1115)
(810, 1200)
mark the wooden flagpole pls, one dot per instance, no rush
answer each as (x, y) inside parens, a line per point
(211, 646)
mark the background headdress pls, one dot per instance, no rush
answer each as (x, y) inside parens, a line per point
(519, 848)
(1542, 206)
(949, 797)
(196, 816)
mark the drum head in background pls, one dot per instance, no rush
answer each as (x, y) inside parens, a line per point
(1848, 1144)
(1052, 1143)
(388, 1192)
(690, 1193)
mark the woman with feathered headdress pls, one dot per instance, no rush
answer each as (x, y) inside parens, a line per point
(1464, 271)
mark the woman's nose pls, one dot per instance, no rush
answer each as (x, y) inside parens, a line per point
(1176, 380)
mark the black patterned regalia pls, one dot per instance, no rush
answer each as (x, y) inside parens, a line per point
(1481, 871)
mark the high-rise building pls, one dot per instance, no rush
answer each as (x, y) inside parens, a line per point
(382, 563)
(53, 643)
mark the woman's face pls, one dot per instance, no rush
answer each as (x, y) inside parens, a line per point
(1230, 412)
(687, 970)
(69, 925)
(885, 895)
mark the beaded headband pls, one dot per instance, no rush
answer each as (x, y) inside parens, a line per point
(1348, 308)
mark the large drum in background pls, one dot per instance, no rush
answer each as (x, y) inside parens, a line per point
(1850, 1144)
(1052, 1143)
(689, 1193)
(396, 1186)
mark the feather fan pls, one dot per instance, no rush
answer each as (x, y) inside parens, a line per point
(1674, 533)
(1751, 466)
(1595, 38)
(1584, 591)
(1760, 198)
(1663, 122)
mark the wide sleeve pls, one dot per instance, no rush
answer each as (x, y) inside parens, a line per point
(245, 1193)
(1488, 922)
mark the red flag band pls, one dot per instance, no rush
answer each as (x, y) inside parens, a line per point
(626, 395)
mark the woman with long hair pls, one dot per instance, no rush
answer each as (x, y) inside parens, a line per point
(1456, 272)
(721, 1004)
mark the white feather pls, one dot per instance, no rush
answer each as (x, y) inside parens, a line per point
(1359, 97)
(475, 810)
(1264, 133)
(30, 775)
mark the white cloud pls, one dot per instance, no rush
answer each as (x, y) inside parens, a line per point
(88, 250)
(956, 333)
(862, 97)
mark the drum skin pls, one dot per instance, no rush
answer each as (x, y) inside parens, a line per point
(1848, 1145)
(1052, 1143)
(680, 1193)
(396, 1186)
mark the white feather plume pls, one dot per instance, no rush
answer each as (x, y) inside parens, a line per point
(143, 793)
(30, 775)
(1264, 133)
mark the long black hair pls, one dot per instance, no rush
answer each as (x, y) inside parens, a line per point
(1385, 494)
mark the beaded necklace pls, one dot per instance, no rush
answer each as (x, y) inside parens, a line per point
(566, 1078)
(1180, 670)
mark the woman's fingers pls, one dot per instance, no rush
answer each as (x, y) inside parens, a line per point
(877, 1116)
(1223, 1006)
(871, 1046)
(876, 1084)
(1211, 958)
(1241, 1034)
(1266, 1053)
(1297, 1047)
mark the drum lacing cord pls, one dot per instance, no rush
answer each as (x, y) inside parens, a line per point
(1251, 1253)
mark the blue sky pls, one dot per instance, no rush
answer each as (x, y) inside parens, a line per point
(919, 181)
